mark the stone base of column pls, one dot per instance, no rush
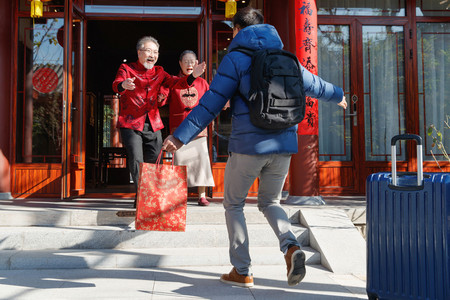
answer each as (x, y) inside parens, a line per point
(304, 200)
(6, 196)
(304, 168)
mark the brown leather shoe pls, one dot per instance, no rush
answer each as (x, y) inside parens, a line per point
(295, 262)
(234, 278)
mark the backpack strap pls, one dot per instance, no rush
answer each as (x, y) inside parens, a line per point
(248, 52)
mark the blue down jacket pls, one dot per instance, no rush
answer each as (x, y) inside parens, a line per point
(234, 74)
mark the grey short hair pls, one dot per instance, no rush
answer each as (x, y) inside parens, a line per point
(187, 52)
(145, 39)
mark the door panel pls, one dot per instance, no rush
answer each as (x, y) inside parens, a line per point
(39, 92)
(36, 171)
(336, 140)
(77, 111)
(67, 102)
(73, 166)
(357, 143)
(384, 90)
(433, 92)
(222, 35)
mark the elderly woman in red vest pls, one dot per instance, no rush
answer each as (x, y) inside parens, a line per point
(182, 100)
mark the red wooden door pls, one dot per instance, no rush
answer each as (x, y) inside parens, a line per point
(367, 60)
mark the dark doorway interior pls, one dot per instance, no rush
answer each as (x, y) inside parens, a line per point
(110, 43)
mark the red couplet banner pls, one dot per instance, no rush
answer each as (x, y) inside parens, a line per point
(306, 45)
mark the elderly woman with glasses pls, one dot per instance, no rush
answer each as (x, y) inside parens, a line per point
(182, 99)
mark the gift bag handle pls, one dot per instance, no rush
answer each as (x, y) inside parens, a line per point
(158, 160)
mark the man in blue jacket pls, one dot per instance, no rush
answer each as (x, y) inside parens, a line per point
(253, 151)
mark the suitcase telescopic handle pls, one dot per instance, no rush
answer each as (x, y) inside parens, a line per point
(407, 136)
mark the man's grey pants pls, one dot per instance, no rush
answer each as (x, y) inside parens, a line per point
(240, 173)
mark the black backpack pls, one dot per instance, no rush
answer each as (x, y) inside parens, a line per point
(276, 99)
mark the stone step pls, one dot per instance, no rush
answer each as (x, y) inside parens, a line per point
(138, 258)
(115, 237)
(75, 214)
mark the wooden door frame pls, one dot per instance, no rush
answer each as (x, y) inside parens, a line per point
(344, 167)
(67, 101)
(77, 166)
(29, 180)
(361, 167)
(409, 23)
(204, 55)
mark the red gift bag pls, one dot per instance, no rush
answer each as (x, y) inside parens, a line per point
(161, 197)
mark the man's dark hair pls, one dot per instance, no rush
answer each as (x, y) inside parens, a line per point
(248, 16)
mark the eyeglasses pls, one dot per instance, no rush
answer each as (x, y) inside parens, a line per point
(188, 62)
(150, 51)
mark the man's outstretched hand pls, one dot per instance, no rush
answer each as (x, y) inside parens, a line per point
(343, 103)
(171, 144)
(128, 84)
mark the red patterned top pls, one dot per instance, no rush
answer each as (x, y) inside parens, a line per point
(183, 99)
(142, 101)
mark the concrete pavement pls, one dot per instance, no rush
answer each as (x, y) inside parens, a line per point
(199, 282)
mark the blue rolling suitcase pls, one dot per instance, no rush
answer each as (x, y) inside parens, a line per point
(408, 232)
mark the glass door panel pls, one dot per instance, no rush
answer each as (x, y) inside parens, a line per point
(222, 35)
(38, 111)
(77, 103)
(432, 8)
(384, 90)
(338, 136)
(39, 91)
(368, 62)
(335, 138)
(433, 64)
(361, 8)
(77, 153)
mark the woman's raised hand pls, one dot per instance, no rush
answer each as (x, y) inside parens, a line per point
(199, 69)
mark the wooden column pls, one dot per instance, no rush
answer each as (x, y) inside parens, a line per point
(304, 169)
(6, 36)
(281, 14)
